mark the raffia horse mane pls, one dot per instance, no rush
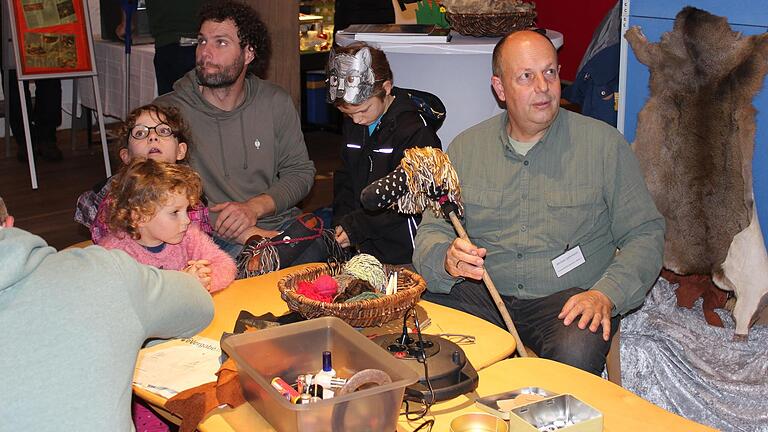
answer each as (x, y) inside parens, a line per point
(695, 140)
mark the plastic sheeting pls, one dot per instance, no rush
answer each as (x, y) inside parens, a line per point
(672, 358)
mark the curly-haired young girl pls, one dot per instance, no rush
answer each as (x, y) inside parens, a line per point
(148, 219)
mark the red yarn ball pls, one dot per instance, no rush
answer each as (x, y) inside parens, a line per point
(326, 285)
(312, 291)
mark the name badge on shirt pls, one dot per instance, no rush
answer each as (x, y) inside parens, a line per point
(568, 261)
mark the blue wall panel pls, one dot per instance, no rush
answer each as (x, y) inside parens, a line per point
(743, 12)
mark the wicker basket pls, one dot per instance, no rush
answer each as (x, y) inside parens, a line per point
(490, 25)
(365, 313)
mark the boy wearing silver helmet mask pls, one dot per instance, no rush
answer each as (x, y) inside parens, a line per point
(350, 77)
(381, 121)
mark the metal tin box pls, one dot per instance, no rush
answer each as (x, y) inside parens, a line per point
(491, 403)
(563, 413)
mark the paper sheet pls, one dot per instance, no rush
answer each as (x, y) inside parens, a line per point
(177, 365)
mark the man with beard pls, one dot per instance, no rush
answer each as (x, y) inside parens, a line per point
(246, 137)
(557, 211)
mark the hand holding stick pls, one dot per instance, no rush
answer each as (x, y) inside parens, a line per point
(426, 179)
(492, 291)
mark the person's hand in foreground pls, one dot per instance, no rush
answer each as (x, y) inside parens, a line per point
(594, 307)
(463, 259)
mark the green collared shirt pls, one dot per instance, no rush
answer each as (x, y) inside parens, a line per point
(580, 185)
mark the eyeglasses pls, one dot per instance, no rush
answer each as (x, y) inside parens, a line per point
(142, 131)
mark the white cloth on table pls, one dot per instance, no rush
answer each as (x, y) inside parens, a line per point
(110, 64)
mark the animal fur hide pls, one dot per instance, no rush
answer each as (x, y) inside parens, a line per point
(695, 135)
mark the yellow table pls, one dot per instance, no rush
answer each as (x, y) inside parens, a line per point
(259, 295)
(622, 410)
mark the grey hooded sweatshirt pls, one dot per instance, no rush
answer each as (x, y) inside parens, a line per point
(257, 148)
(72, 323)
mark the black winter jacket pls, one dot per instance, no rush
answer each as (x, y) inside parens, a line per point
(384, 234)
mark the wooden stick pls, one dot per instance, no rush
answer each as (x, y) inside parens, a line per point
(493, 291)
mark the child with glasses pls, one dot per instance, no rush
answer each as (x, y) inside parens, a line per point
(150, 132)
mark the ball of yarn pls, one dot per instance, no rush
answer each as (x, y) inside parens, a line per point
(364, 296)
(367, 267)
(353, 289)
(309, 290)
(343, 280)
(326, 285)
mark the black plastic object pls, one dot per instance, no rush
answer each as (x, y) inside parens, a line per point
(450, 372)
(449, 207)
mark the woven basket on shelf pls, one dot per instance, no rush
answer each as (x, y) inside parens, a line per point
(490, 25)
(365, 313)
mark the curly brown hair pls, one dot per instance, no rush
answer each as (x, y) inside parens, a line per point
(162, 114)
(250, 29)
(144, 185)
(379, 64)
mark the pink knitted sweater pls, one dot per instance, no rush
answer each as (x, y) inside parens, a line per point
(196, 245)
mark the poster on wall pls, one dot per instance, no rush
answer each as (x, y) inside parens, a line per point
(51, 38)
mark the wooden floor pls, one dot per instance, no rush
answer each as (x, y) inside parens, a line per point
(49, 210)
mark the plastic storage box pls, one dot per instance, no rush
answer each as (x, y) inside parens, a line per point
(293, 349)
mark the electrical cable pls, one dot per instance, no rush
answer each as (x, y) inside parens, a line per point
(427, 424)
(421, 357)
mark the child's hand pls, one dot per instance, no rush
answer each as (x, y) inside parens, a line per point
(205, 281)
(198, 263)
(200, 269)
(342, 238)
